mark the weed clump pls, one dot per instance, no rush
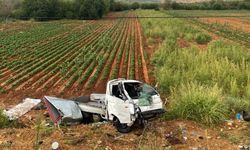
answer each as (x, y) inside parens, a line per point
(202, 38)
(199, 103)
(4, 121)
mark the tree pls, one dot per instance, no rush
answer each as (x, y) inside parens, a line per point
(53, 8)
(150, 6)
(37, 9)
(66, 10)
(135, 5)
(90, 9)
(6, 8)
(107, 6)
(167, 4)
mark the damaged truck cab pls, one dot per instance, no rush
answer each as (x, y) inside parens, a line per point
(129, 101)
(124, 103)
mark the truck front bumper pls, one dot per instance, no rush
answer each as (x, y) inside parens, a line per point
(152, 113)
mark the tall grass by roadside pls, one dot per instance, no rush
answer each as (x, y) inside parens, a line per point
(202, 85)
(199, 103)
(226, 66)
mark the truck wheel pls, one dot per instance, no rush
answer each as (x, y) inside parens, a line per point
(87, 118)
(121, 127)
(246, 116)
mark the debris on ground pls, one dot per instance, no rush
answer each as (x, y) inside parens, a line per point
(98, 124)
(246, 116)
(63, 111)
(173, 139)
(55, 146)
(22, 108)
(244, 147)
(74, 140)
(114, 137)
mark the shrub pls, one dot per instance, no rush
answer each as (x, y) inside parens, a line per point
(154, 6)
(135, 5)
(4, 121)
(199, 103)
(202, 38)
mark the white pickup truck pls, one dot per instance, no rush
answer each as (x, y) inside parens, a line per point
(125, 102)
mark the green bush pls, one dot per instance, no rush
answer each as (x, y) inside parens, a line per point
(202, 38)
(199, 103)
(4, 121)
(154, 6)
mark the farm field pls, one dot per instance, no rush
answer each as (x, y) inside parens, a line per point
(69, 58)
(233, 24)
(195, 65)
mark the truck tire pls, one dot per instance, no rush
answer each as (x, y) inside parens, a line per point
(87, 118)
(121, 127)
(246, 116)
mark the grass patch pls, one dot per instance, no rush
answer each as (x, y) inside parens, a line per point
(195, 102)
(202, 38)
(235, 139)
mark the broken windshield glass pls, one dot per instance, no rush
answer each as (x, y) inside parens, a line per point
(141, 91)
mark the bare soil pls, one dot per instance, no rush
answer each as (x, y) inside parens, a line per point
(157, 134)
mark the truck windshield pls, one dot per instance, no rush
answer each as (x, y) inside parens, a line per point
(137, 90)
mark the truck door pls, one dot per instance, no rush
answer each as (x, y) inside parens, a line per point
(118, 104)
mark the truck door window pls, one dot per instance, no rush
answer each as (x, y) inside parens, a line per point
(116, 92)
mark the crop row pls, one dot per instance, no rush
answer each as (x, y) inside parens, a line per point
(64, 59)
(226, 31)
(49, 57)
